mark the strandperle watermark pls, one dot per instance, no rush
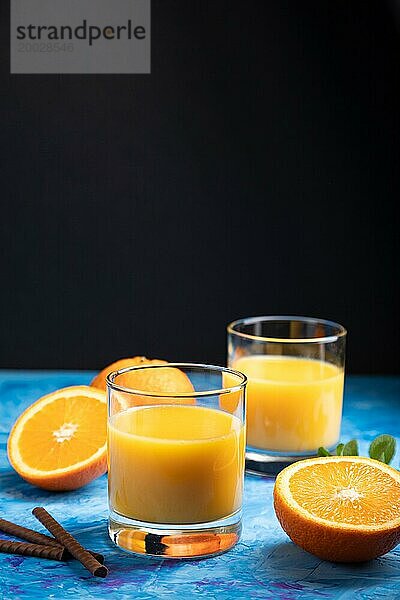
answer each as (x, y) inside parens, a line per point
(80, 36)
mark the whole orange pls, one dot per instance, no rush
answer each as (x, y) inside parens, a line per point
(100, 380)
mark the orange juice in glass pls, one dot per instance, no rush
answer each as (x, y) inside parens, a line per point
(295, 371)
(176, 460)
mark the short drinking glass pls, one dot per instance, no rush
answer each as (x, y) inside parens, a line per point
(176, 446)
(295, 371)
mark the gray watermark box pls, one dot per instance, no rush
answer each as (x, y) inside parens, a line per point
(80, 36)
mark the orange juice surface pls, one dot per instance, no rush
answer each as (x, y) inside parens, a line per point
(293, 404)
(175, 464)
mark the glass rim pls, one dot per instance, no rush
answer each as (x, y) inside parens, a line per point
(341, 331)
(214, 392)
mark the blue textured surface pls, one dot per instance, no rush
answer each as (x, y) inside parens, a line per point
(265, 564)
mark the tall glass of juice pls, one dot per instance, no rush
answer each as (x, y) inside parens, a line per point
(176, 453)
(295, 371)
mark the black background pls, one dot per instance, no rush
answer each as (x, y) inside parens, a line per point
(255, 171)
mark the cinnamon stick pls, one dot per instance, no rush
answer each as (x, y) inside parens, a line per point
(70, 543)
(37, 538)
(38, 550)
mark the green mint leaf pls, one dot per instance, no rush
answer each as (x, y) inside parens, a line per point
(339, 449)
(383, 448)
(350, 449)
(323, 452)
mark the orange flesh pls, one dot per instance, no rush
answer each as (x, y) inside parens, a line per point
(345, 492)
(72, 421)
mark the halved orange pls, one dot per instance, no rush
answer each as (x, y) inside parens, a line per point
(340, 508)
(59, 442)
(100, 380)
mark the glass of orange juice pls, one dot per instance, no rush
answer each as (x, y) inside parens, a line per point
(295, 371)
(176, 454)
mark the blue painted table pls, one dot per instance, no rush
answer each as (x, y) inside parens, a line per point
(265, 564)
